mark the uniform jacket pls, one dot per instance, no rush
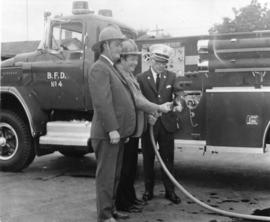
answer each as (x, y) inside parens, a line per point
(113, 105)
(164, 94)
(141, 103)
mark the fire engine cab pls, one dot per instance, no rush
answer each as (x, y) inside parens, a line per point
(45, 100)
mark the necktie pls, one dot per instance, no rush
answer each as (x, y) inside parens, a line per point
(157, 81)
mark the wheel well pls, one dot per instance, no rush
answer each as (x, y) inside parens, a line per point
(10, 102)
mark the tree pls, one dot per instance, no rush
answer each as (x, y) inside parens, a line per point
(246, 19)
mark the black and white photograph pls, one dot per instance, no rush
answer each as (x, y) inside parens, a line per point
(135, 110)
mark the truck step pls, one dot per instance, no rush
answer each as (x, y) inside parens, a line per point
(67, 133)
(190, 143)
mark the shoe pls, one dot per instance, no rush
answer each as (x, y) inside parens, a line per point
(173, 197)
(110, 220)
(147, 195)
(131, 209)
(138, 202)
(119, 215)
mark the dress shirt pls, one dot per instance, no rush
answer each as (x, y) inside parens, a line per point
(155, 74)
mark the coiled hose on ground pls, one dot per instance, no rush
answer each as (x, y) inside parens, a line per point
(190, 196)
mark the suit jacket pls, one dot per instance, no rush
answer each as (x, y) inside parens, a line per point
(141, 103)
(112, 101)
(163, 94)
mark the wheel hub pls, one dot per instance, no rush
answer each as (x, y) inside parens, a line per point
(8, 141)
(3, 141)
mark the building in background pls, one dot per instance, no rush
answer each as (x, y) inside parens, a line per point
(10, 49)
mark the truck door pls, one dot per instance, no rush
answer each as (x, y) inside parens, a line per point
(58, 72)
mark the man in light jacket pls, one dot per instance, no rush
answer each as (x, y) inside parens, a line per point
(126, 199)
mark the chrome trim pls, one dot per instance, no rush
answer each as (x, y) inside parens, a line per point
(238, 89)
(231, 149)
(68, 133)
(204, 65)
(196, 92)
(202, 46)
(193, 143)
(16, 93)
(264, 136)
(16, 139)
(190, 145)
(65, 140)
(199, 144)
(243, 50)
(242, 69)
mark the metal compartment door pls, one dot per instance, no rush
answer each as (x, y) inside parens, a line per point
(234, 117)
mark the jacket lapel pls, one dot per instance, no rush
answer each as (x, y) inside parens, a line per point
(120, 76)
(151, 81)
(114, 70)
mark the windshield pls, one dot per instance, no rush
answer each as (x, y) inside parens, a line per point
(66, 36)
(62, 34)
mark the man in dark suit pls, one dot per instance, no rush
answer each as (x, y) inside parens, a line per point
(113, 122)
(157, 85)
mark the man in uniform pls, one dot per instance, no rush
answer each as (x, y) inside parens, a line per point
(157, 85)
(113, 122)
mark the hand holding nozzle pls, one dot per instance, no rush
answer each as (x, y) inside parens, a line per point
(177, 107)
(178, 103)
(165, 107)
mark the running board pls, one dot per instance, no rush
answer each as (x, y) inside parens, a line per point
(67, 133)
(230, 149)
(190, 144)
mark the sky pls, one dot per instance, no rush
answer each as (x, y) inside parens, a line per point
(23, 19)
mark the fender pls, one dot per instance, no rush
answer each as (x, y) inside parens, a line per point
(37, 118)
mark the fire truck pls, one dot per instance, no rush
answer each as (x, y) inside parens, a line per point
(46, 105)
(226, 81)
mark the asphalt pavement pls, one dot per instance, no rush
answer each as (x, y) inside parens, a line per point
(55, 188)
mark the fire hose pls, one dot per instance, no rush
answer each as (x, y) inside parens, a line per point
(190, 196)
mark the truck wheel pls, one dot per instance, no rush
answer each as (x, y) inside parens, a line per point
(31, 158)
(73, 153)
(16, 147)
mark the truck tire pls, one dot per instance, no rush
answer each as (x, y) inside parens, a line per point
(73, 153)
(16, 146)
(31, 158)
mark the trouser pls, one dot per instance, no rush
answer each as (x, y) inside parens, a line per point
(165, 140)
(109, 162)
(126, 193)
